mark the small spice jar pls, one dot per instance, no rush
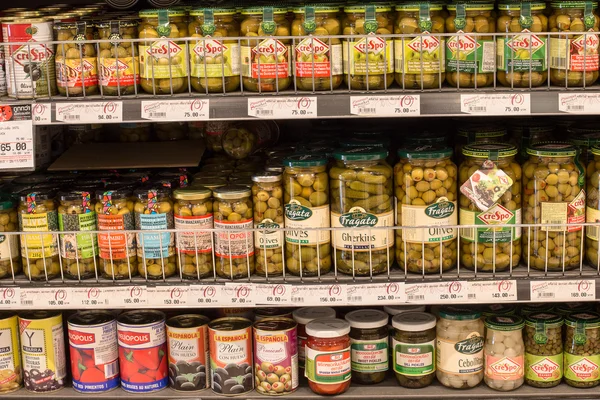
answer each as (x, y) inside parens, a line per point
(10, 261)
(303, 316)
(504, 352)
(369, 344)
(329, 342)
(543, 349)
(582, 349)
(413, 349)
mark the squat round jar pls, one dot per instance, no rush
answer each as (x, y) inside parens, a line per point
(504, 352)
(543, 349)
(369, 345)
(582, 349)
(303, 316)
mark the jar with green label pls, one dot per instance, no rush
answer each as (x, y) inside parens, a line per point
(566, 309)
(426, 196)
(554, 198)
(543, 349)
(420, 59)
(368, 57)
(361, 200)
(532, 308)
(584, 136)
(477, 133)
(368, 345)
(498, 309)
(306, 207)
(490, 194)
(592, 213)
(10, 260)
(504, 352)
(522, 59)
(582, 349)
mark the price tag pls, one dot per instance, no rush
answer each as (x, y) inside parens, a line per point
(176, 110)
(493, 291)
(238, 294)
(496, 104)
(438, 292)
(272, 293)
(558, 290)
(10, 297)
(376, 293)
(320, 295)
(283, 107)
(129, 296)
(579, 103)
(42, 113)
(94, 296)
(90, 113)
(16, 137)
(386, 106)
(205, 296)
(40, 298)
(171, 296)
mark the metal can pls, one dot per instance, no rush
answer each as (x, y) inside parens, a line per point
(94, 351)
(247, 313)
(142, 351)
(43, 350)
(276, 356)
(230, 344)
(3, 91)
(11, 377)
(271, 312)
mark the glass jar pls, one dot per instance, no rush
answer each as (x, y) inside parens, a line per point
(179, 179)
(494, 310)
(459, 328)
(215, 60)
(245, 138)
(529, 131)
(361, 198)
(368, 58)
(543, 349)
(165, 71)
(10, 259)
(574, 58)
(266, 63)
(582, 349)
(504, 352)
(213, 132)
(522, 59)
(168, 131)
(470, 60)
(303, 316)
(328, 338)
(532, 308)
(369, 343)
(306, 199)
(192, 210)
(234, 242)
(318, 64)
(413, 349)
(208, 182)
(490, 194)
(592, 211)
(477, 133)
(76, 64)
(135, 132)
(119, 61)
(553, 193)
(423, 69)
(584, 136)
(566, 309)
(426, 177)
(155, 251)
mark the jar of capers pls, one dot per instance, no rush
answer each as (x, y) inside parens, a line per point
(543, 349)
(10, 260)
(426, 194)
(504, 352)
(119, 61)
(582, 349)
(593, 209)
(554, 197)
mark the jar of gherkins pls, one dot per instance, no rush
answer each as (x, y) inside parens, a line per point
(361, 201)
(477, 133)
(266, 63)
(368, 58)
(119, 60)
(234, 239)
(114, 210)
(592, 211)
(214, 59)
(426, 195)
(490, 195)
(522, 59)
(419, 59)
(582, 349)
(39, 251)
(155, 250)
(543, 349)
(10, 260)
(554, 199)
(306, 199)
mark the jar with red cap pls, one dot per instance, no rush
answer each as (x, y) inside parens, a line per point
(303, 316)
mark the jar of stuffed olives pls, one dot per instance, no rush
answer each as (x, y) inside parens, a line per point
(553, 197)
(504, 352)
(592, 211)
(234, 239)
(119, 61)
(10, 260)
(477, 133)
(582, 349)
(490, 195)
(76, 63)
(361, 200)
(369, 345)
(243, 139)
(529, 131)
(426, 194)
(543, 349)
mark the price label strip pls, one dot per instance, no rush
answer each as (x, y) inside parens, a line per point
(559, 290)
(42, 113)
(176, 110)
(90, 113)
(320, 295)
(386, 106)
(238, 294)
(376, 293)
(438, 292)
(10, 297)
(579, 103)
(40, 298)
(283, 107)
(91, 297)
(272, 294)
(168, 296)
(16, 137)
(496, 104)
(493, 291)
(206, 296)
(130, 296)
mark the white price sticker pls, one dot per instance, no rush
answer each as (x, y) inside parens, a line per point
(94, 296)
(558, 290)
(386, 106)
(438, 292)
(493, 291)
(238, 294)
(46, 298)
(42, 113)
(272, 293)
(283, 107)
(90, 113)
(496, 104)
(579, 103)
(205, 296)
(376, 293)
(169, 296)
(320, 295)
(130, 296)
(16, 137)
(10, 297)
(176, 110)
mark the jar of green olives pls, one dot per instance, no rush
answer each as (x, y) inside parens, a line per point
(10, 260)
(426, 194)
(504, 352)
(582, 349)
(543, 349)
(554, 198)
(361, 201)
(490, 195)
(244, 139)
(584, 136)
(592, 211)
(135, 132)
(368, 345)
(119, 61)
(528, 131)
(477, 133)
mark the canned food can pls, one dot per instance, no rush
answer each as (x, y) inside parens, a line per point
(43, 351)
(272, 312)
(247, 313)
(11, 376)
(3, 91)
(94, 351)
(230, 343)
(142, 351)
(276, 356)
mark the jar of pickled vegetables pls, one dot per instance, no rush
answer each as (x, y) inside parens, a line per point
(215, 59)
(119, 60)
(426, 194)
(361, 201)
(318, 64)
(76, 64)
(490, 194)
(504, 352)
(267, 62)
(163, 58)
(477, 133)
(593, 209)
(10, 260)
(543, 349)
(369, 345)
(135, 132)
(419, 59)
(582, 349)
(522, 59)
(554, 198)
(368, 58)
(244, 139)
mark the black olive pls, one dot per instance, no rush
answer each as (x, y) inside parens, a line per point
(224, 373)
(26, 68)
(171, 383)
(237, 389)
(248, 381)
(248, 370)
(228, 384)
(188, 386)
(217, 378)
(244, 365)
(195, 364)
(180, 380)
(199, 379)
(201, 368)
(216, 387)
(36, 74)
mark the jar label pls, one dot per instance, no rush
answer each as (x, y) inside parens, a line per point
(577, 54)
(269, 237)
(413, 359)
(156, 244)
(466, 53)
(80, 245)
(359, 237)
(214, 58)
(235, 240)
(496, 215)
(163, 59)
(192, 237)
(485, 187)
(592, 215)
(300, 217)
(563, 214)
(43, 245)
(268, 59)
(115, 245)
(543, 368)
(437, 216)
(504, 368)
(120, 72)
(76, 72)
(369, 355)
(582, 368)
(280, 350)
(9, 247)
(424, 54)
(316, 58)
(522, 53)
(327, 367)
(463, 357)
(371, 56)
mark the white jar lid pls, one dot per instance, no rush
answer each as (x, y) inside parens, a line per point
(304, 315)
(367, 319)
(414, 321)
(328, 328)
(395, 310)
